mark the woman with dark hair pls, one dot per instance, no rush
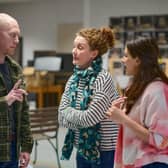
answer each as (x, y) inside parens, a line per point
(88, 95)
(143, 135)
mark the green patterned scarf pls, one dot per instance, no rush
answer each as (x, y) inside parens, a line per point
(89, 138)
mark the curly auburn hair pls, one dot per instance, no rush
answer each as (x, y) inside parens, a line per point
(98, 39)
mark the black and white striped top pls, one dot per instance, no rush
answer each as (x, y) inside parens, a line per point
(103, 94)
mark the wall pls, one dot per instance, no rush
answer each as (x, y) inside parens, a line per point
(102, 10)
(39, 19)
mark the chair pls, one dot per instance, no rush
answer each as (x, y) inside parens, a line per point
(44, 126)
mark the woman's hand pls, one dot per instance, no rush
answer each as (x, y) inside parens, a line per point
(115, 112)
(119, 102)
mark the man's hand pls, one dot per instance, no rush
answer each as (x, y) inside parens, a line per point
(24, 159)
(16, 94)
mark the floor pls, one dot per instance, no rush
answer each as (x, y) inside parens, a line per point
(46, 157)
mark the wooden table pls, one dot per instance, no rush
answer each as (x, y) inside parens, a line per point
(41, 90)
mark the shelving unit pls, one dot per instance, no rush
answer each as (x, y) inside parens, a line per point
(129, 27)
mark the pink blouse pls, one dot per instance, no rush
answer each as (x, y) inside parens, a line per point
(151, 111)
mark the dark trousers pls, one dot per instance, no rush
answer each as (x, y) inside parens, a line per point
(14, 162)
(106, 157)
(156, 165)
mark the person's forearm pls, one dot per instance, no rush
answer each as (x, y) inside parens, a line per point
(138, 129)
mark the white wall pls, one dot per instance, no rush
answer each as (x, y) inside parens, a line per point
(39, 19)
(101, 10)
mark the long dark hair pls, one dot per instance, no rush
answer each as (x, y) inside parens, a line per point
(147, 50)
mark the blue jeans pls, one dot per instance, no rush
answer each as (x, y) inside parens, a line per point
(156, 165)
(106, 157)
(14, 162)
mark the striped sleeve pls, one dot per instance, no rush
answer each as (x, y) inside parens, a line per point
(104, 94)
(63, 106)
